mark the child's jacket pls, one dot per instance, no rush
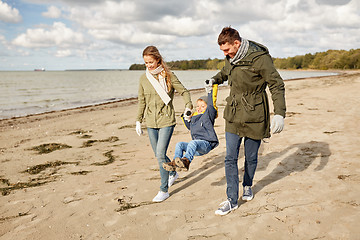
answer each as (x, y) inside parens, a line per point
(201, 125)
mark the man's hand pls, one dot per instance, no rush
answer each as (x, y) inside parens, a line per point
(187, 114)
(138, 128)
(277, 124)
(208, 84)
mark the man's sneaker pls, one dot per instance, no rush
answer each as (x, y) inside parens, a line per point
(182, 164)
(161, 196)
(225, 208)
(172, 179)
(248, 194)
(169, 166)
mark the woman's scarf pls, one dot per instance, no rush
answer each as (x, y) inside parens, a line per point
(162, 79)
(242, 51)
(160, 86)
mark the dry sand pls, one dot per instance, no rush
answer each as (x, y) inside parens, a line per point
(100, 182)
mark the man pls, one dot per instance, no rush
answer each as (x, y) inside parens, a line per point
(249, 70)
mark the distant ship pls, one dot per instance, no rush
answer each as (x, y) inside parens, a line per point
(39, 69)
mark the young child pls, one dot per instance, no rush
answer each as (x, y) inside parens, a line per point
(201, 126)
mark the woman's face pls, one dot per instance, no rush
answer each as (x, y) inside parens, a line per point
(150, 62)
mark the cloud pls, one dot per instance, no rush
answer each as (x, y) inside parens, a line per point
(2, 39)
(127, 34)
(103, 14)
(178, 26)
(57, 35)
(346, 16)
(123, 23)
(305, 27)
(333, 2)
(52, 12)
(63, 53)
(118, 30)
(287, 27)
(9, 14)
(240, 11)
(140, 22)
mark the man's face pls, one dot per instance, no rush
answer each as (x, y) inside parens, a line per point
(230, 49)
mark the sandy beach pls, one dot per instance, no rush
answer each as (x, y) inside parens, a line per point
(86, 174)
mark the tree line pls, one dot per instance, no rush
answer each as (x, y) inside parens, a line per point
(207, 64)
(331, 59)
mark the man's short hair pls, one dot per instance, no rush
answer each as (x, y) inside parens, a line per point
(228, 35)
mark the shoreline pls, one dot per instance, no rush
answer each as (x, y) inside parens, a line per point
(113, 104)
(130, 100)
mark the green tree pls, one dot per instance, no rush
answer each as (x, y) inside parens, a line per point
(331, 59)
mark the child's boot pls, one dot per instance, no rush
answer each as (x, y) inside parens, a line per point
(182, 164)
(169, 166)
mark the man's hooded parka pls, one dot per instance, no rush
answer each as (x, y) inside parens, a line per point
(247, 107)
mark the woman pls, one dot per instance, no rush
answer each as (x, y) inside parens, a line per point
(156, 93)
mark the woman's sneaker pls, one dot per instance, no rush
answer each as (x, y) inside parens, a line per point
(172, 179)
(161, 196)
(225, 208)
(247, 194)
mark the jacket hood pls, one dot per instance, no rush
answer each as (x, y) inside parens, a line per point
(255, 50)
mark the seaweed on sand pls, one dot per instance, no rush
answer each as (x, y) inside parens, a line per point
(41, 167)
(4, 181)
(80, 173)
(127, 126)
(49, 147)
(126, 205)
(89, 143)
(82, 134)
(31, 183)
(20, 214)
(110, 157)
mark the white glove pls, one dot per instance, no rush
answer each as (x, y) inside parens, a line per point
(208, 85)
(138, 128)
(187, 114)
(277, 124)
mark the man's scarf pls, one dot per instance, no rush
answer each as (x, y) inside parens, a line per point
(242, 51)
(159, 86)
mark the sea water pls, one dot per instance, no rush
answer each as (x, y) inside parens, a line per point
(25, 92)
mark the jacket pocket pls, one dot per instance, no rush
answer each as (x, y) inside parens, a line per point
(253, 108)
(230, 109)
(249, 108)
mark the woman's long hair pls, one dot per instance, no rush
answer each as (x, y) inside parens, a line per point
(154, 52)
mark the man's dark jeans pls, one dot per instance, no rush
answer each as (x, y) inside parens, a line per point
(251, 147)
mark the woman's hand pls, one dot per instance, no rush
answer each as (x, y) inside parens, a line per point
(138, 128)
(187, 114)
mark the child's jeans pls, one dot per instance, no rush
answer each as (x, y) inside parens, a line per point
(191, 149)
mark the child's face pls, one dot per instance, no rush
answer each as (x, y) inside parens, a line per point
(201, 106)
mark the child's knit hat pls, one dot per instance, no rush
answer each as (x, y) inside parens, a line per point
(204, 98)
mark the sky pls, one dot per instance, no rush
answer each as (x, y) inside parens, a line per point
(98, 34)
